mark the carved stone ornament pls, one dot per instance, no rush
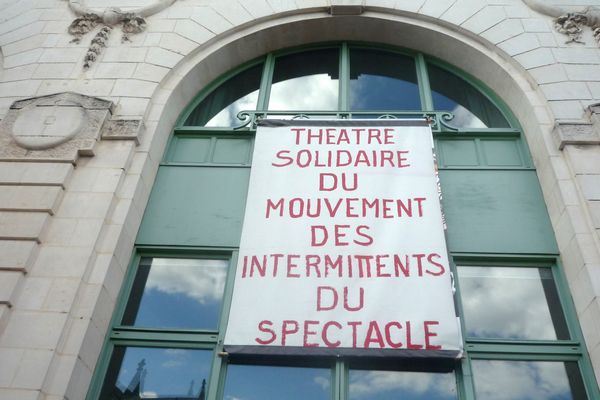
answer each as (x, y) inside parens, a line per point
(571, 24)
(60, 127)
(579, 132)
(88, 19)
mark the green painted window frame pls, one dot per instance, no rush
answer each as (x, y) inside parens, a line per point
(560, 350)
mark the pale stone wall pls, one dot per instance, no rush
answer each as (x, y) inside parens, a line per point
(67, 226)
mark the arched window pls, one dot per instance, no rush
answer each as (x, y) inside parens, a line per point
(521, 335)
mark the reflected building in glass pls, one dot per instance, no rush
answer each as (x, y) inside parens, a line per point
(123, 187)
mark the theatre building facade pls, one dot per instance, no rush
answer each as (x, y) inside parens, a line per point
(309, 199)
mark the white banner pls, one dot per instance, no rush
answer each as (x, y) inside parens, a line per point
(343, 243)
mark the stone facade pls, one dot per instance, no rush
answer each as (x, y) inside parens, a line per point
(71, 199)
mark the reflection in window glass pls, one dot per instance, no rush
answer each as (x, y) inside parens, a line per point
(527, 380)
(144, 373)
(177, 293)
(511, 303)
(220, 108)
(382, 81)
(393, 385)
(306, 81)
(471, 109)
(266, 382)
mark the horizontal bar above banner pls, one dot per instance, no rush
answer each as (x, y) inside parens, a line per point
(343, 352)
(272, 123)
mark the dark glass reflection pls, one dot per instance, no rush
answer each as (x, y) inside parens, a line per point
(145, 373)
(306, 81)
(511, 303)
(265, 382)
(527, 380)
(394, 385)
(177, 293)
(471, 109)
(382, 81)
(220, 108)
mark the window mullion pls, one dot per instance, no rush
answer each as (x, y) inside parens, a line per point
(423, 81)
(344, 77)
(340, 381)
(265, 83)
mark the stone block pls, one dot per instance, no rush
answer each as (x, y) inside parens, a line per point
(583, 72)
(62, 262)
(9, 282)
(33, 293)
(485, 19)
(177, 43)
(17, 394)
(590, 186)
(549, 74)
(35, 173)
(584, 159)
(25, 58)
(566, 109)
(536, 58)
(462, 10)
(435, 8)
(192, 31)
(162, 57)
(22, 225)
(27, 44)
(216, 23)
(23, 88)
(110, 154)
(409, 5)
(30, 198)
(536, 25)
(124, 54)
(576, 55)
(132, 106)
(237, 14)
(149, 72)
(595, 212)
(11, 359)
(289, 5)
(17, 73)
(64, 55)
(113, 70)
(504, 30)
(566, 91)
(17, 255)
(520, 44)
(126, 87)
(25, 328)
(61, 294)
(32, 369)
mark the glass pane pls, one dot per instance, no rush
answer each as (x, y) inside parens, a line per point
(220, 108)
(382, 81)
(177, 293)
(150, 373)
(511, 303)
(306, 81)
(471, 109)
(527, 380)
(265, 382)
(396, 385)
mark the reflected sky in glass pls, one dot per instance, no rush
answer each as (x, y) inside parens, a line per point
(526, 380)
(177, 293)
(382, 81)
(156, 373)
(396, 385)
(221, 106)
(248, 382)
(306, 81)
(228, 115)
(511, 303)
(471, 109)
